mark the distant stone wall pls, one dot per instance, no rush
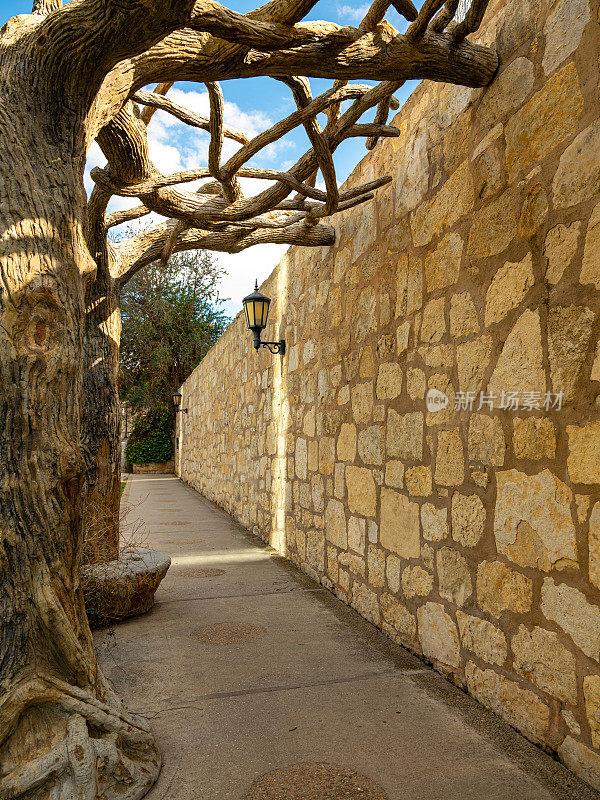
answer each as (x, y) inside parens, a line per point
(469, 533)
(153, 468)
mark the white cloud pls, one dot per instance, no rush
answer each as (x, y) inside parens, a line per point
(242, 269)
(352, 13)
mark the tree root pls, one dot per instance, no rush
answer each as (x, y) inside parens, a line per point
(103, 752)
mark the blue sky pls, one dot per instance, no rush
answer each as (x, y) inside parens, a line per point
(252, 105)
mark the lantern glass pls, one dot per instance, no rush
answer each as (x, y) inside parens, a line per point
(256, 306)
(177, 399)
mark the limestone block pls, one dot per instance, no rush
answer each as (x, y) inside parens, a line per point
(578, 175)
(376, 567)
(534, 438)
(416, 383)
(468, 519)
(544, 122)
(569, 334)
(405, 435)
(416, 581)
(339, 480)
(583, 461)
(482, 638)
(433, 326)
(335, 524)
(366, 368)
(357, 528)
(364, 313)
(582, 501)
(318, 493)
(438, 634)
(562, 31)
(409, 284)
(393, 571)
(365, 602)
(494, 226)
(398, 619)
(583, 761)
(362, 402)
(412, 177)
(559, 248)
(449, 462)
(594, 545)
(402, 337)
(326, 455)
(454, 576)
(442, 266)
(519, 707)
(346, 443)
(520, 365)
(438, 415)
(541, 658)
(480, 478)
(452, 201)
(301, 458)
(533, 211)
(590, 269)
(499, 589)
(532, 524)
(508, 91)
(399, 531)
(389, 381)
(463, 316)
(394, 474)
(595, 373)
(315, 550)
(570, 609)
(507, 289)
(418, 481)
(371, 444)
(486, 440)
(489, 167)
(362, 495)
(434, 522)
(313, 455)
(591, 692)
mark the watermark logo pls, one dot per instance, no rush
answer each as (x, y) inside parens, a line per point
(508, 401)
(436, 400)
(504, 401)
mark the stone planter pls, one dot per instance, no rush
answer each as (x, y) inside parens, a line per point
(154, 468)
(125, 587)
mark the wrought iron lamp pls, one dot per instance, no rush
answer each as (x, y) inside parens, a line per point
(256, 306)
(177, 397)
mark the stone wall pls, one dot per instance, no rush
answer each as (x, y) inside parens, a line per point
(153, 468)
(470, 533)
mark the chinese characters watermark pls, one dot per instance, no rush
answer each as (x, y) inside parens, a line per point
(505, 401)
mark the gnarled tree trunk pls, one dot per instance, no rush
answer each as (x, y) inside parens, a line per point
(63, 732)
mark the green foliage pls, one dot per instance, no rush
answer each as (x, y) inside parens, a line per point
(151, 440)
(171, 318)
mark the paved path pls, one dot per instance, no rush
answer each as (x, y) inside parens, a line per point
(246, 666)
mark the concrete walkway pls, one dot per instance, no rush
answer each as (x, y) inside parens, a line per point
(246, 666)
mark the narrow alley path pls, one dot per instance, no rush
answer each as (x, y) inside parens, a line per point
(246, 666)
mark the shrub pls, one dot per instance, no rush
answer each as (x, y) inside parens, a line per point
(151, 440)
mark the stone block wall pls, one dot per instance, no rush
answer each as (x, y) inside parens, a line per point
(429, 446)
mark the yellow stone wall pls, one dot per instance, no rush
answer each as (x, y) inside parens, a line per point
(469, 534)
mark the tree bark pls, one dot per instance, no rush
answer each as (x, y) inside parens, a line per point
(63, 732)
(101, 422)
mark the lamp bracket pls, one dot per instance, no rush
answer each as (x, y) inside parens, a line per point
(275, 347)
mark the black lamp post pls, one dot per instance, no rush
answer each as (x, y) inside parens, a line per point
(256, 306)
(177, 397)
